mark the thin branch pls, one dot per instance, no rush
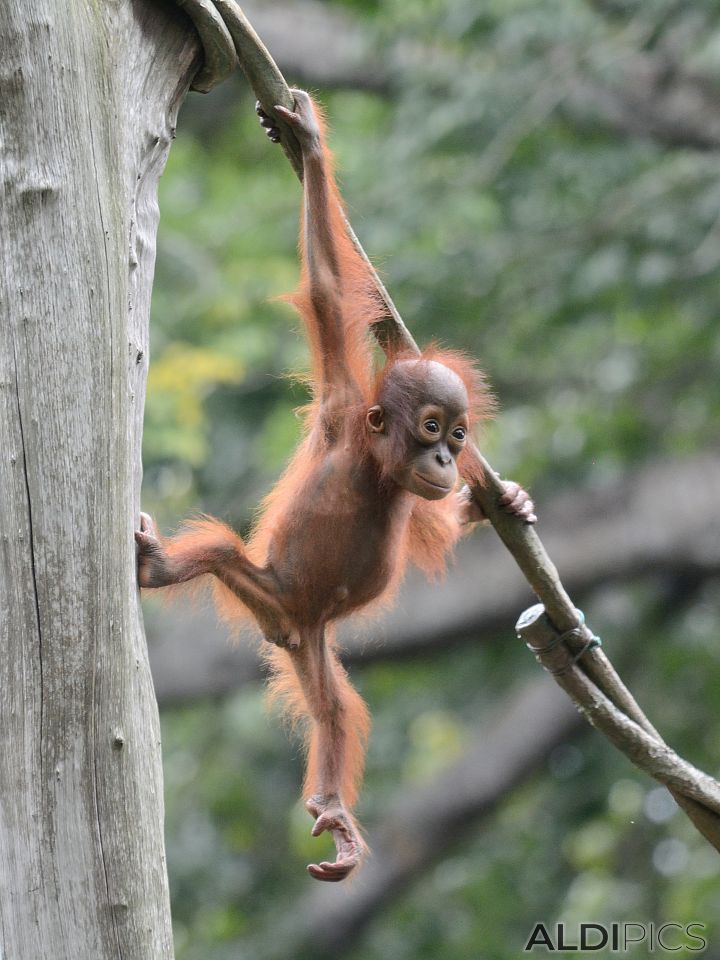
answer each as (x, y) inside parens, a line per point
(219, 54)
(271, 89)
(610, 698)
(325, 44)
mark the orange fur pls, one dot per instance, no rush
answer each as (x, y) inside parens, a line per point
(338, 529)
(360, 303)
(285, 690)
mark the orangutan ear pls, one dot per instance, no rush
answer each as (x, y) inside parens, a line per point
(375, 419)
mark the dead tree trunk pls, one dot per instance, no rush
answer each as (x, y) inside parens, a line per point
(88, 97)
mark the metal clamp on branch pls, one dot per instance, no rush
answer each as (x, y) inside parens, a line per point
(588, 678)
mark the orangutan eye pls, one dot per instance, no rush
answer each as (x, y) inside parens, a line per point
(459, 433)
(432, 426)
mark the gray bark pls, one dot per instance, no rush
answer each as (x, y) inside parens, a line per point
(88, 98)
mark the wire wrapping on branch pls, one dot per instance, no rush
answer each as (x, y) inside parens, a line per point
(561, 643)
(564, 656)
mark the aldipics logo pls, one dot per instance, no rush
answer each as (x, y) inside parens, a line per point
(617, 937)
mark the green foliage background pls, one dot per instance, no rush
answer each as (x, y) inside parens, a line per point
(580, 263)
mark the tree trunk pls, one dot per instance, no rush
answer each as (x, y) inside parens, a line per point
(88, 97)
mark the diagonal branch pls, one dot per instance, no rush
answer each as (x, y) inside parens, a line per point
(693, 790)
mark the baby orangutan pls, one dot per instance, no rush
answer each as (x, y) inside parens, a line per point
(373, 485)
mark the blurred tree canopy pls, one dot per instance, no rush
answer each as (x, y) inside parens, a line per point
(537, 181)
